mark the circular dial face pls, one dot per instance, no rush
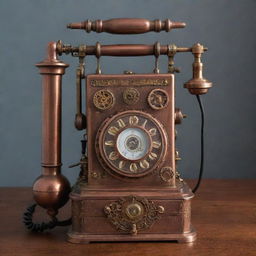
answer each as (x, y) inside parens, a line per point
(131, 143)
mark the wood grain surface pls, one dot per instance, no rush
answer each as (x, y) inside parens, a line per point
(223, 212)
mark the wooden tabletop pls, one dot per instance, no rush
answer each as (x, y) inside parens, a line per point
(223, 213)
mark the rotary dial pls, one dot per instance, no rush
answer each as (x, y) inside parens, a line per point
(131, 143)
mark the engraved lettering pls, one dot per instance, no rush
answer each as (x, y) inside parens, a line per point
(152, 132)
(110, 143)
(133, 167)
(133, 120)
(156, 144)
(113, 130)
(152, 156)
(121, 164)
(144, 164)
(113, 156)
(121, 123)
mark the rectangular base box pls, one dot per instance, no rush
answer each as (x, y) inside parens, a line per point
(142, 214)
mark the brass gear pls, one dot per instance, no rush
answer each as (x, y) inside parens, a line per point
(158, 99)
(103, 99)
(131, 96)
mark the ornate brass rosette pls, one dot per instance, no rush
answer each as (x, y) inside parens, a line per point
(103, 99)
(158, 99)
(166, 174)
(131, 96)
(132, 213)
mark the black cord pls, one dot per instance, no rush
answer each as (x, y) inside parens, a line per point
(40, 227)
(202, 145)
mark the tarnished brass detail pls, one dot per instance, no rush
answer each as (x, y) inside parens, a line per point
(134, 210)
(103, 99)
(131, 96)
(133, 167)
(177, 156)
(132, 213)
(121, 123)
(134, 230)
(121, 164)
(177, 176)
(97, 175)
(161, 209)
(133, 120)
(98, 54)
(166, 174)
(113, 156)
(129, 82)
(152, 131)
(172, 50)
(158, 99)
(157, 49)
(178, 116)
(144, 124)
(110, 143)
(144, 164)
(113, 130)
(152, 156)
(94, 175)
(156, 144)
(198, 84)
(80, 118)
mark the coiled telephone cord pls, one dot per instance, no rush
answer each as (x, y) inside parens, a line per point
(40, 227)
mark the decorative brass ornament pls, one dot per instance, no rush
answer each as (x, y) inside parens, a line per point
(166, 174)
(178, 176)
(131, 96)
(158, 99)
(132, 213)
(103, 99)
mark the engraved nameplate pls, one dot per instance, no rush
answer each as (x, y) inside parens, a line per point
(129, 82)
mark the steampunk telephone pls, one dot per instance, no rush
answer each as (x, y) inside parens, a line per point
(128, 188)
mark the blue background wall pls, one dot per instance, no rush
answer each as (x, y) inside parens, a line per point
(227, 27)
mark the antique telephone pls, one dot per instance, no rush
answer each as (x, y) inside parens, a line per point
(128, 188)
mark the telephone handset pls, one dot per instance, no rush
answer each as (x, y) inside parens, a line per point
(128, 188)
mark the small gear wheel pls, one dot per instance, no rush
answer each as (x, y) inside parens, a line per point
(131, 96)
(103, 99)
(166, 174)
(158, 99)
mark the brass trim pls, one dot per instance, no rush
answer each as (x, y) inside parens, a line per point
(133, 213)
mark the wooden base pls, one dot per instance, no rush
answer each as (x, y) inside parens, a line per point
(90, 221)
(87, 238)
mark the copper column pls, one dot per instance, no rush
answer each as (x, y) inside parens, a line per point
(51, 189)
